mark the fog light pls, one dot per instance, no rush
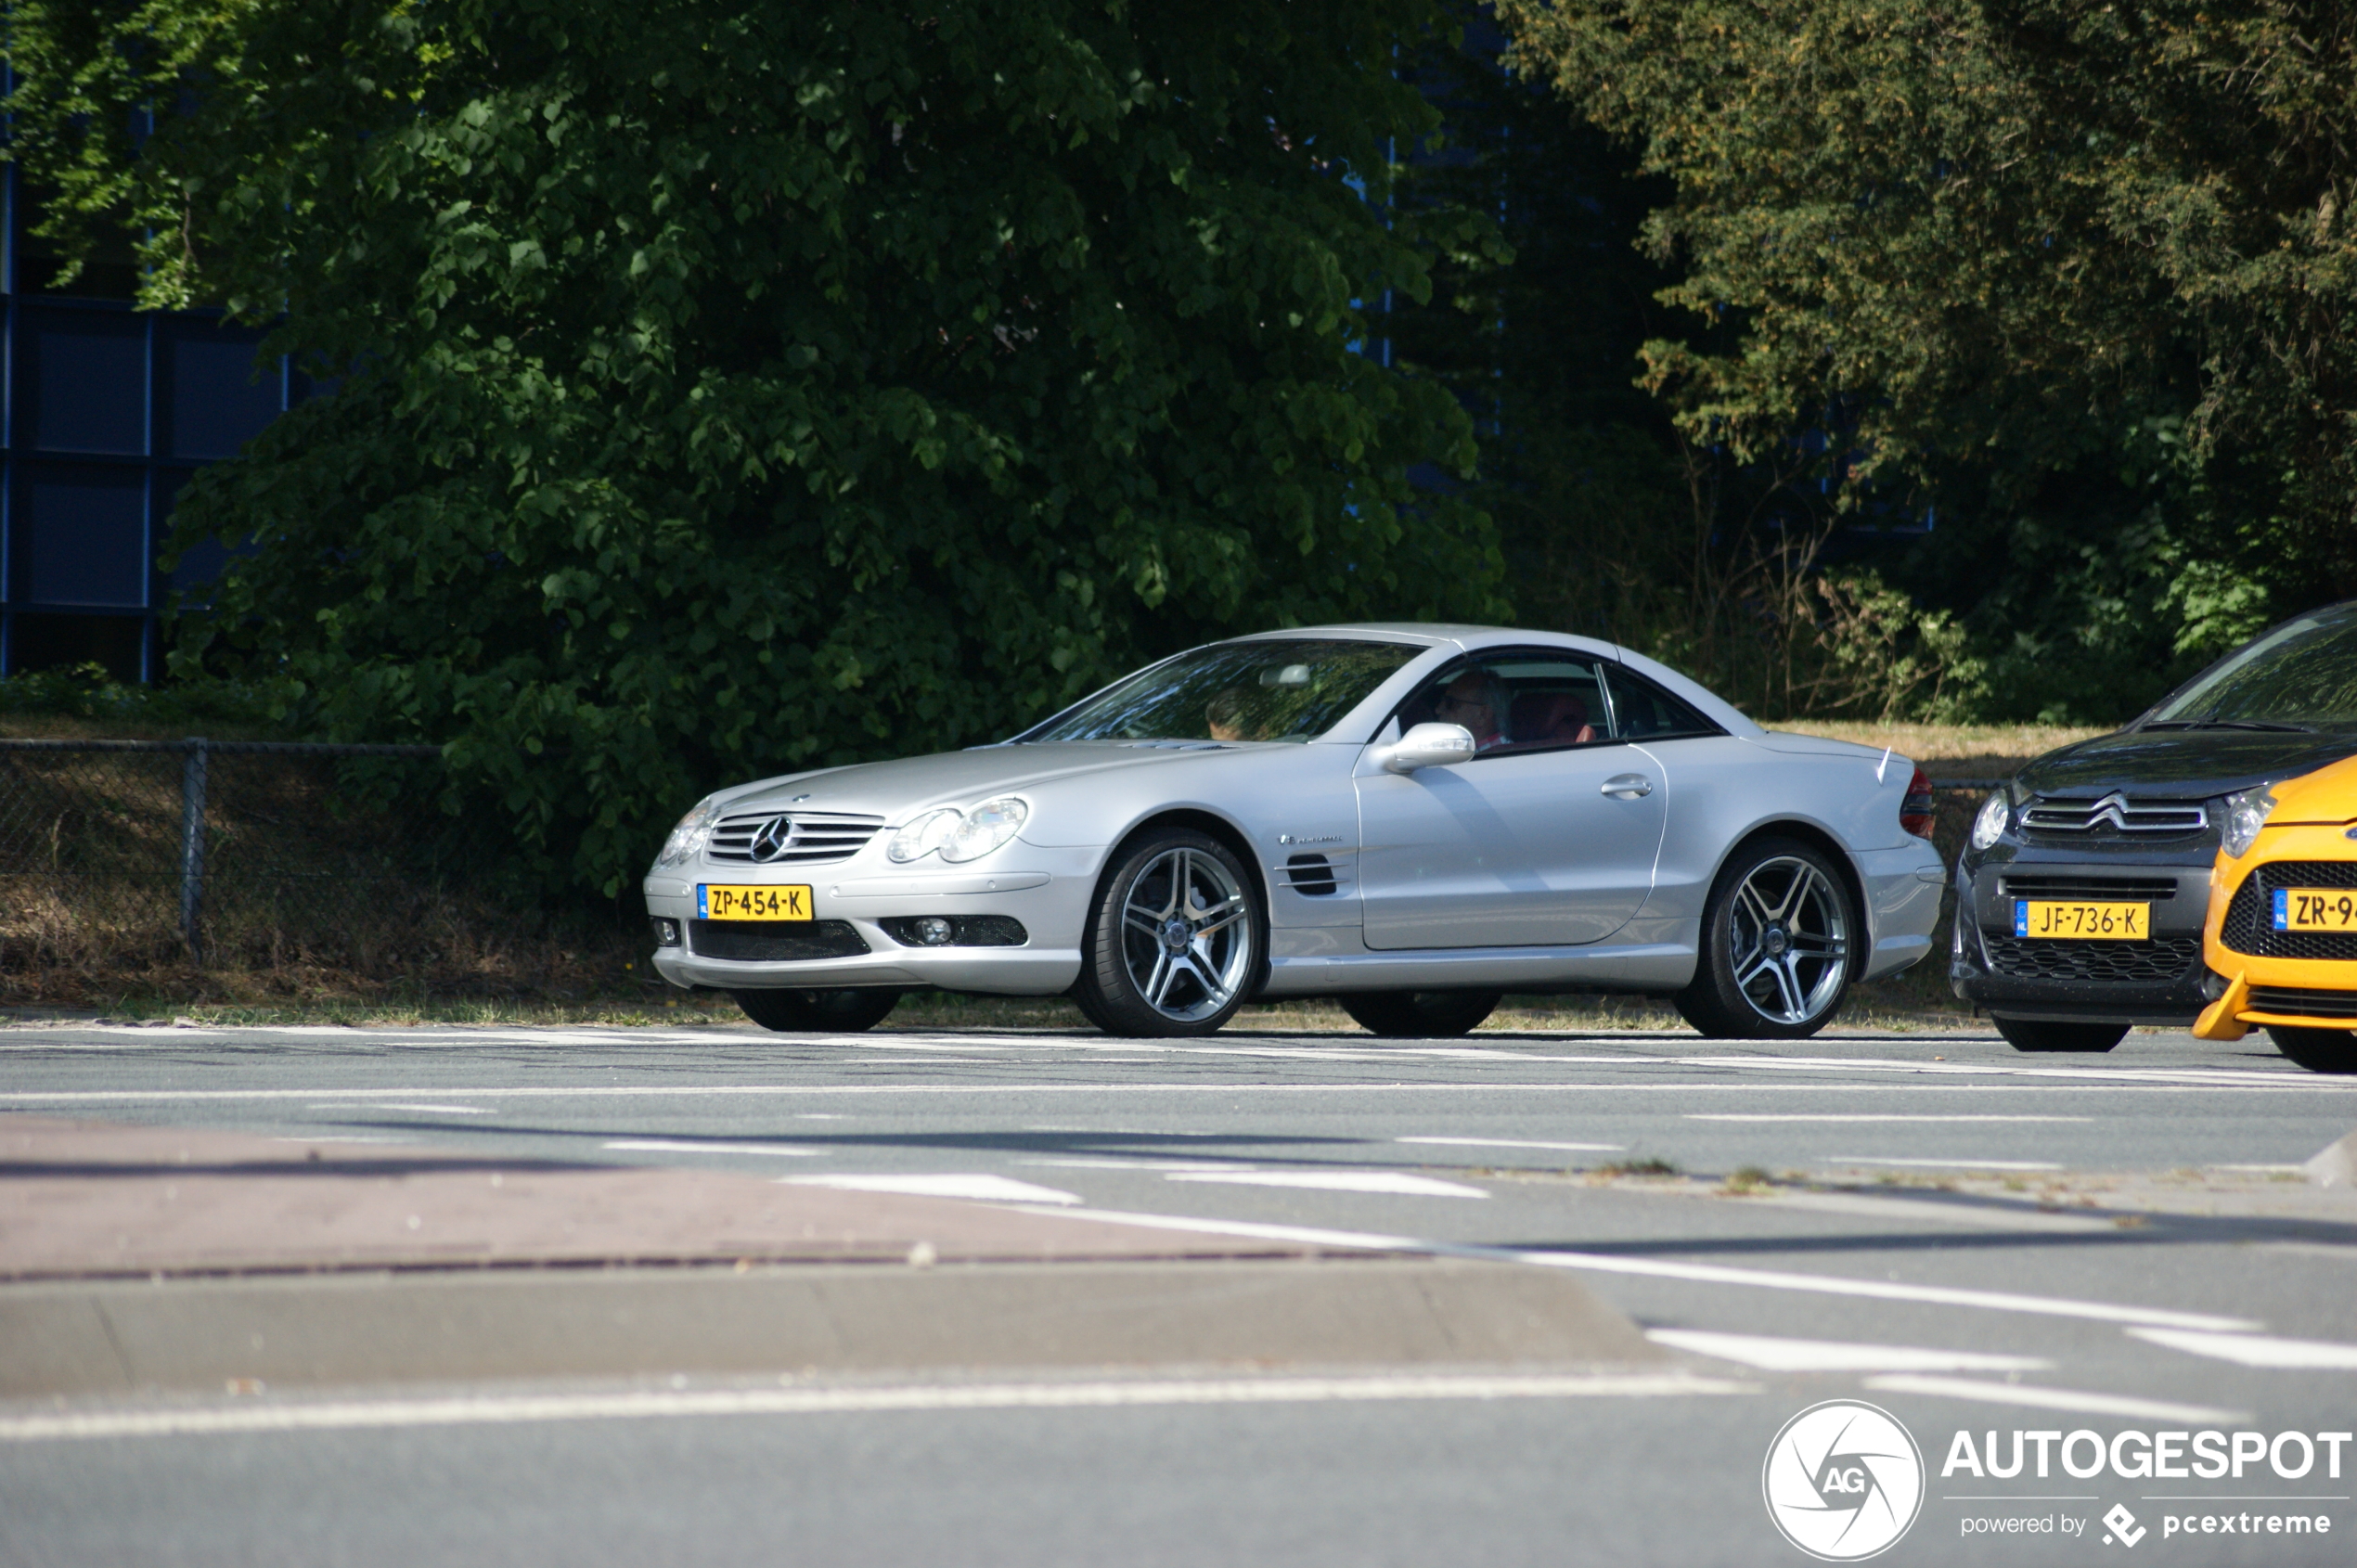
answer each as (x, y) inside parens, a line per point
(933, 931)
(666, 932)
(2213, 985)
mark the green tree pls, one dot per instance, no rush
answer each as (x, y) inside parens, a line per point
(729, 388)
(2074, 275)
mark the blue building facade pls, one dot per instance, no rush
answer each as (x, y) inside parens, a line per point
(105, 412)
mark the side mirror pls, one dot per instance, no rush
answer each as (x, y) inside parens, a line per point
(1427, 745)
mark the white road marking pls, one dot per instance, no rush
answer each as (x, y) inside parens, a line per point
(2260, 1170)
(688, 1146)
(1940, 1165)
(492, 1410)
(973, 1185)
(402, 1105)
(2313, 1087)
(1519, 1143)
(1700, 1273)
(1080, 1164)
(1827, 1356)
(1397, 1183)
(2256, 1350)
(344, 1137)
(1747, 1116)
(2054, 1399)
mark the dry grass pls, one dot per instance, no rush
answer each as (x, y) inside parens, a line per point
(1969, 751)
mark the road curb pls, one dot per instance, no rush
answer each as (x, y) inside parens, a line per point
(350, 1329)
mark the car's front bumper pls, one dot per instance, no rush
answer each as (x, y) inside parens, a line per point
(2157, 981)
(1047, 891)
(2261, 988)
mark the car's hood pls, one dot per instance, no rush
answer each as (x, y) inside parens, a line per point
(2181, 763)
(895, 790)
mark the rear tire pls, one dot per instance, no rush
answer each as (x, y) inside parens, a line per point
(1421, 1015)
(810, 1012)
(2318, 1050)
(2039, 1035)
(1776, 956)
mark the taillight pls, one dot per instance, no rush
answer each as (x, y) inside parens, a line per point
(1916, 811)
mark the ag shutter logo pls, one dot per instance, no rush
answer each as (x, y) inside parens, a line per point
(1843, 1481)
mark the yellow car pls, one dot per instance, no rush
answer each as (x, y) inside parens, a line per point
(2280, 939)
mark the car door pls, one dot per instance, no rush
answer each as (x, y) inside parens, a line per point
(1546, 837)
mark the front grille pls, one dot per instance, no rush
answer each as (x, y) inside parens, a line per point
(2164, 957)
(1312, 874)
(2249, 928)
(807, 838)
(2139, 890)
(2303, 1003)
(769, 942)
(2114, 814)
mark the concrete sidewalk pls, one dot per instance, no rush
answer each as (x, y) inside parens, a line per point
(140, 1259)
(85, 1199)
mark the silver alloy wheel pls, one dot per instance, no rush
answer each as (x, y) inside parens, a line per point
(1186, 934)
(1789, 940)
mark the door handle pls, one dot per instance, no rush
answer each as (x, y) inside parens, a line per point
(1629, 786)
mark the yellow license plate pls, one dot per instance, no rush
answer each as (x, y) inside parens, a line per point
(720, 901)
(2315, 908)
(2055, 920)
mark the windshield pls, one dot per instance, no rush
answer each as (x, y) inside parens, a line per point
(2304, 673)
(1288, 690)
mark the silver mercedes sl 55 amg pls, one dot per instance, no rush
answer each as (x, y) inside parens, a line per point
(1412, 819)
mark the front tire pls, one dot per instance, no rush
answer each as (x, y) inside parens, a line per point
(1777, 954)
(2039, 1035)
(2318, 1050)
(1421, 1015)
(834, 1012)
(1176, 939)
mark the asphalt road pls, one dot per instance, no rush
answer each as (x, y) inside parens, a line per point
(1972, 1239)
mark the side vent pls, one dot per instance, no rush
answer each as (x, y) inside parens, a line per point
(1311, 874)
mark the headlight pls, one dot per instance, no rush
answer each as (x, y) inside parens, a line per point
(985, 828)
(1990, 825)
(2245, 814)
(686, 840)
(921, 836)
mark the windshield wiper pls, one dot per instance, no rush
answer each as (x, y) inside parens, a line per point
(2233, 724)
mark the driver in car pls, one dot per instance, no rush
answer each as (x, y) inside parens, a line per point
(1474, 700)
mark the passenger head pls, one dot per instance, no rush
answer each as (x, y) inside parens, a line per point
(1224, 716)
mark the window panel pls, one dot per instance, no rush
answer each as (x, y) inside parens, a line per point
(61, 642)
(213, 401)
(82, 381)
(78, 536)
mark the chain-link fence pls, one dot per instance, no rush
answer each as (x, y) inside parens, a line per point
(244, 852)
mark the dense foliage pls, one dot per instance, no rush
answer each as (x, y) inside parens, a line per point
(2073, 279)
(725, 388)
